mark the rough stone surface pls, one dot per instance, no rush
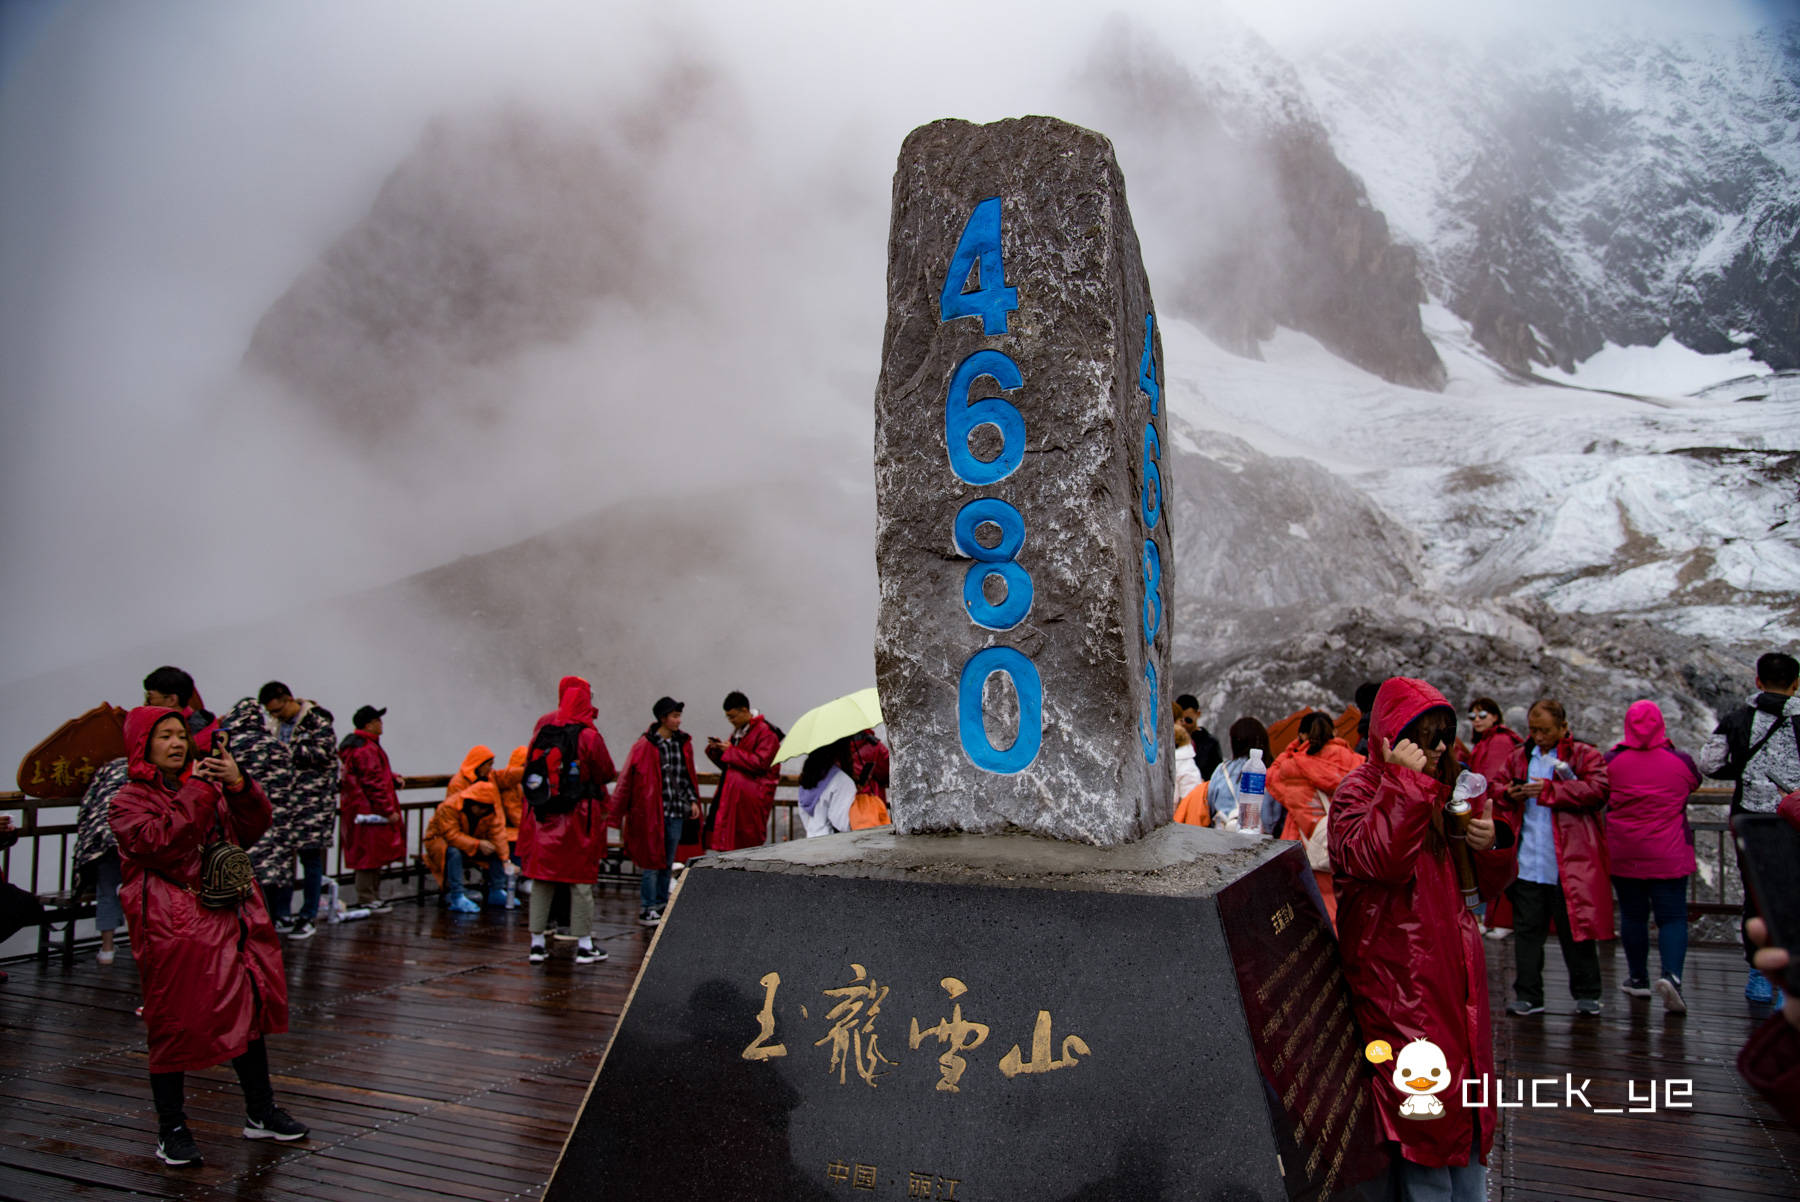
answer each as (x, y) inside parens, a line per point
(1077, 338)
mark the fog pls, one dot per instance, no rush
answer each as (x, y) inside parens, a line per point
(169, 172)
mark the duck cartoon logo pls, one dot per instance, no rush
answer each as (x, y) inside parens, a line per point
(1420, 1072)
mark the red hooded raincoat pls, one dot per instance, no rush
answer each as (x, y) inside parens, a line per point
(748, 776)
(366, 786)
(569, 847)
(212, 979)
(1412, 951)
(1583, 867)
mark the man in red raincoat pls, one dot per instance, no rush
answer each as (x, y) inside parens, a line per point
(369, 803)
(566, 848)
(747, 777)
(656, 794)
(1555, 790)
(212, 977)
(1412, 949)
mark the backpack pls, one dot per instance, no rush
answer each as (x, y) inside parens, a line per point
(553, 783)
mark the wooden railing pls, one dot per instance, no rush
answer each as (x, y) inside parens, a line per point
(51, 846)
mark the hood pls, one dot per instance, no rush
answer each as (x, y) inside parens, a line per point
(1401, 699)
(482, 791)
(516, 762)
(1644, 726)
(138, 725)
(678, 738)
(1770, 703)
(575, 701)
(478, 755)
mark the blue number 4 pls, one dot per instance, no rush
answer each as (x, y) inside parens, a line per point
(978, 251)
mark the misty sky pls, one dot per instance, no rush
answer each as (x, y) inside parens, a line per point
(167, 170)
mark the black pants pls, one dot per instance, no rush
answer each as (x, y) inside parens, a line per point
(170, 1089)
(1534, 906)
(18, 910)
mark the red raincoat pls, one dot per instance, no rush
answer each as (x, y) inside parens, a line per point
(212, 979)
(869, 758)
(1583, 867)
(747, 783)
(1491, 752)
(366, 785)
(569, 847)
(637, 800)
(1412, 951)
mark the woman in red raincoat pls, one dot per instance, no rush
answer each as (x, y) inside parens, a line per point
(567, 848)
(1412, 950)
(1492, 746)
(1555, 790)
(212, 978)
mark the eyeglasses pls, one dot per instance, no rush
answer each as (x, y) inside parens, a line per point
(1477, 715)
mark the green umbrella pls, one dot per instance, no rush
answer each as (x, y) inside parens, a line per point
(830, 722)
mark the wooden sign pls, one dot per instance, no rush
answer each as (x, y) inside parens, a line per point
(62, 764)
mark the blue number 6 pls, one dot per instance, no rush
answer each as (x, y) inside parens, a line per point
(962, 416)
(1030, 688)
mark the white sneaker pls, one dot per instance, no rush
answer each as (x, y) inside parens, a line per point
(1498, 932)
(104, 957)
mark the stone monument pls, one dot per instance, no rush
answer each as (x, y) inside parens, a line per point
(1029, 987)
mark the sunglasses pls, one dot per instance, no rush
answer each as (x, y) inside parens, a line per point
(1475, 714)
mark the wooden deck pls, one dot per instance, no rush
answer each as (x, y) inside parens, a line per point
(432, 1061)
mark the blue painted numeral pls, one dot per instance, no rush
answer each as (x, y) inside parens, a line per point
(997, 560)
(962, 416)
(1147, 365)
(1150, 741)
(1152, 595)
(979, 250)
(1151, 501)
(1026, 683)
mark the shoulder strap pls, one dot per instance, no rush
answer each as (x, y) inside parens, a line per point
(1769, 734)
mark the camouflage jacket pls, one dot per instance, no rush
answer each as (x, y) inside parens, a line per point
(300, 778)
(93, 833)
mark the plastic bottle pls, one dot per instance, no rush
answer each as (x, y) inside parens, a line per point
(1563, 771)
(1250, 791)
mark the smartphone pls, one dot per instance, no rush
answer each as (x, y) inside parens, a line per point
(1769, 852)
(219, 740)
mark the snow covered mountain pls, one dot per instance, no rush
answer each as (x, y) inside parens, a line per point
(1566, 192)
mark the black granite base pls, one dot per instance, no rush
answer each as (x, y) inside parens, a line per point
(874, 1020)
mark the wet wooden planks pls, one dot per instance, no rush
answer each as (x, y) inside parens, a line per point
(1727, 1145)
(429, 1058)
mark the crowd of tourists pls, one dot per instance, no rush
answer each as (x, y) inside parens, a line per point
(1556, 829)
(191, 840)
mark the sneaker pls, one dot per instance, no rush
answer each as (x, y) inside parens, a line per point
(1668, 988)
(1758, 989)
(677, 866)
(460, 904)
(649, 918)
(1498, 932)
(104, 957)
(1636, 986)
(1587, 1007)
(277, 1124)
(177, 1147)
(1522, 1007)
(539, 953)
(283, 925)
(302, 930)
(589, 955)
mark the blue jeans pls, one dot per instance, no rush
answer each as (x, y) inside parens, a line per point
(1667, 897)
(454, 865)
(281, 897)
(655, 887)
(1455, 1183)
(108, 915)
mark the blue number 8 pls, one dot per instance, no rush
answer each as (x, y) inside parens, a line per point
(969, 724)
(962, 416)
(993, 561)
(1152, 597)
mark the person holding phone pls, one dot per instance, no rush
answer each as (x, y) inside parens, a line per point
(211, 967)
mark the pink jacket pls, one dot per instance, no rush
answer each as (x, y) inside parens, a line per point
(1647, 833)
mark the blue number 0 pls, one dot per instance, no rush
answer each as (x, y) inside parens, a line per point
(973, 729)
(962, 416)
(998, 561)
(979, 248)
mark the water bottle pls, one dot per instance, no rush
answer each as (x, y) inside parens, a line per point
(1563, 771)
(1250, 793)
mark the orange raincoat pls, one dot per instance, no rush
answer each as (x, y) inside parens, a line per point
(451, 827)
(511, 782)
(1296, 778)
